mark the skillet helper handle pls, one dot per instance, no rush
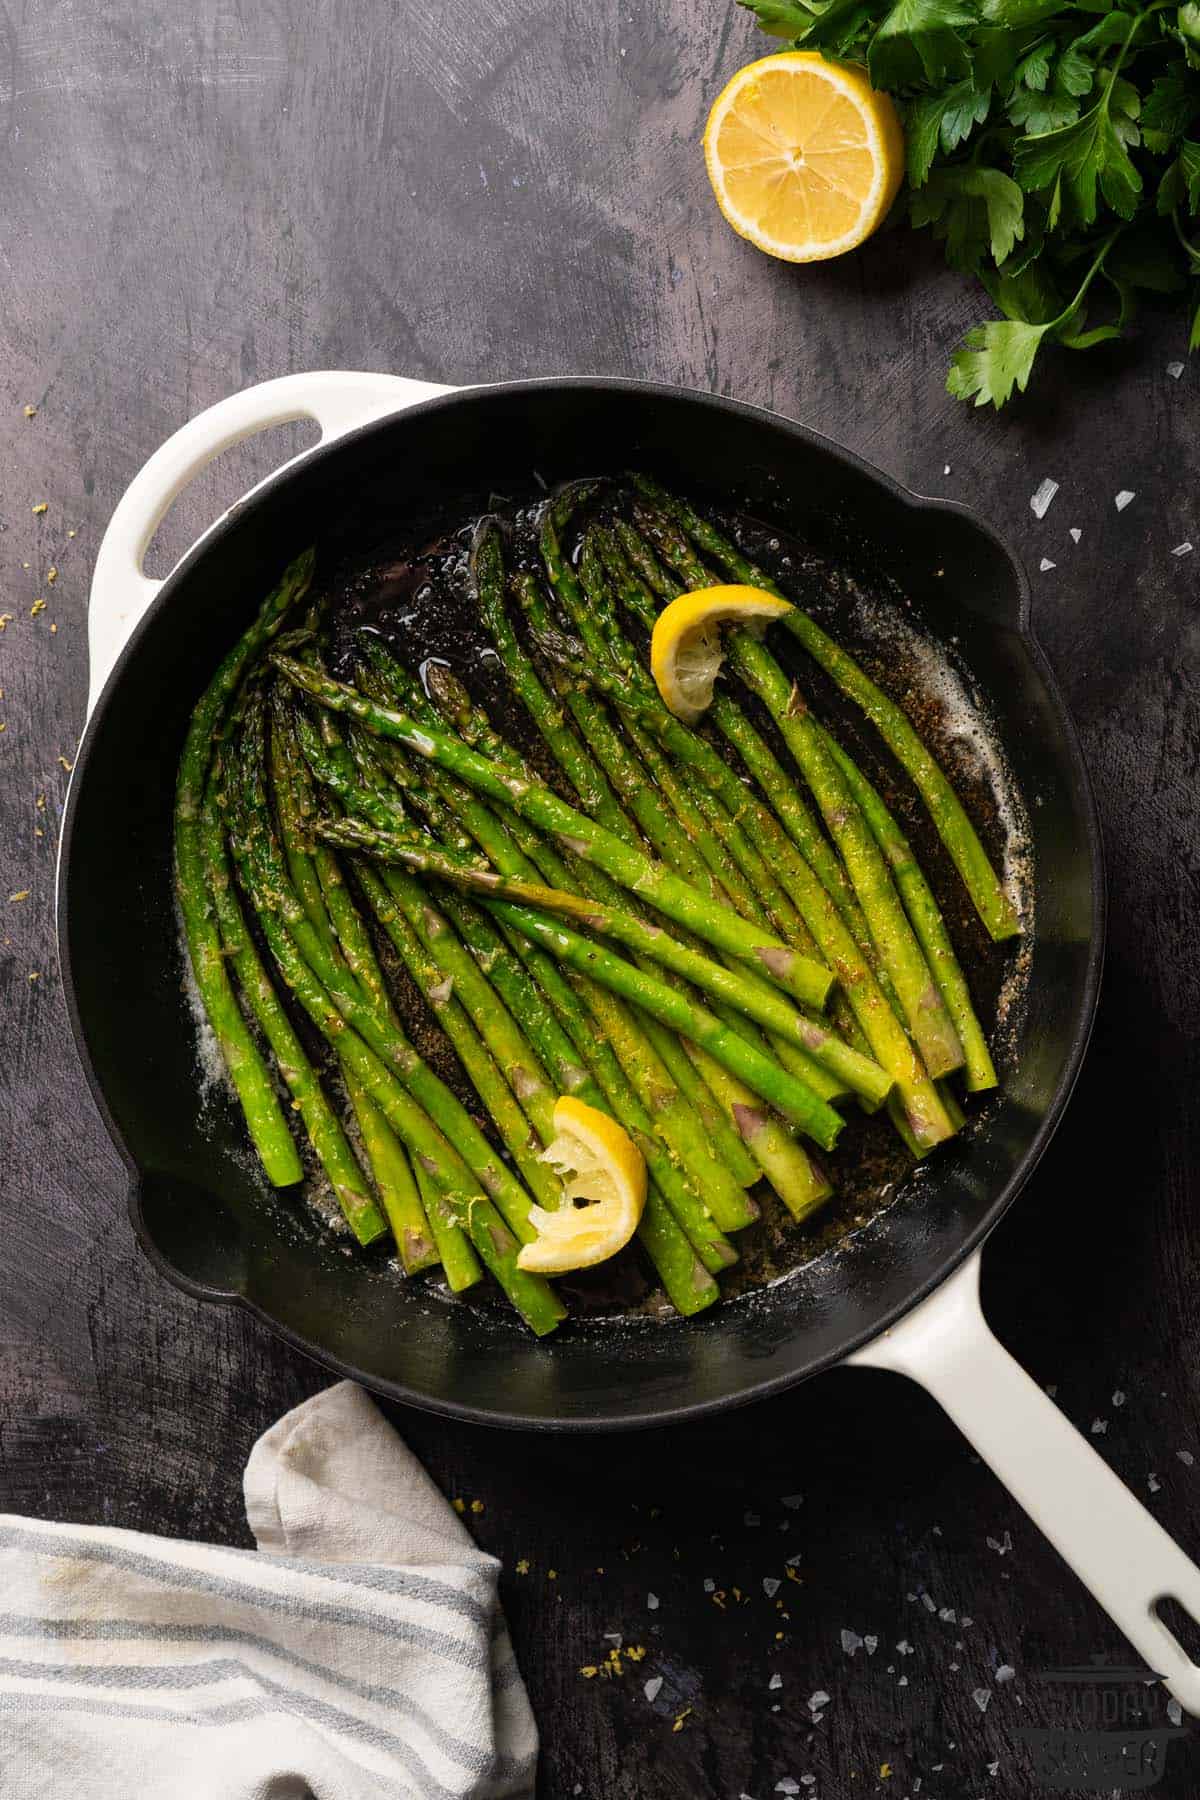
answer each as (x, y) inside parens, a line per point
(336, 400)
(1117, 1549)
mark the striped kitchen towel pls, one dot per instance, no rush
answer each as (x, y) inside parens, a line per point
(359, 1652)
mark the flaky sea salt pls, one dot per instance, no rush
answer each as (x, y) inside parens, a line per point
(1005, 1672)
(1184, 549)
(1041, 501)
(1153, 1483)
(1001, 1546)
(850, 1641)
(1075, 534)
(1121, 500)
(770, 1586)
(1046, 565)
(787, 1784)
(982, 1699)
(1118, 1398)
(775, 1682)
(653, 1687)
(818, 1700)
(1099, 1427)
(1185, 1457)
(652, 1602)
(1174, 370)
(792, 1500)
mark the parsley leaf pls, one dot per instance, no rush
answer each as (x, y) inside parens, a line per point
(993, 360)
(1082, 157)
(919, 37)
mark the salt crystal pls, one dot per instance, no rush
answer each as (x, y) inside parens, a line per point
(787, 1785)
(1186, 1457)
(954, 1668)
(945, 468)
(928, 1604)
(1184, 549)
(653, 1687)
(820, 1698)
(982, 1699)
(1000, 1545)
(652, 1602)
(775, 1682)
(1051, 1389)
(710, 1586)
(947, 1616)
(1118, 1398)
(1174, 370)
(1153, 1483)
(770, 1586)
(1121, 500)
(792, 1500)
(904, 1647)
(993, 1768)
(1040, 502)
(1174, 1712)
(1046, 565)
(910, 1596)
(850, 1642)
(612, 1637)
(1005, 1672)
(903, 1681)
(1099, 1427)
(872, 1644)
(793, 1560)
(1075, 534)
(752, 1518)
(966, 1620)
(578, 1788)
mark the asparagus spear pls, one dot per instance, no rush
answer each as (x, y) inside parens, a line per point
(394, 1180)
(926, 919)
(248, 1071)
(324, 1129)
(928, 1020)
(945, 809)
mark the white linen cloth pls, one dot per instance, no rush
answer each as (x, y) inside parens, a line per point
(359, 1653)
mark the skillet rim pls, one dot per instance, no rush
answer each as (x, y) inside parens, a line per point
(663, 1415)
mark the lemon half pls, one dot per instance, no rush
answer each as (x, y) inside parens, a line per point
(805, 156)
(685, 646)
(602, 1167)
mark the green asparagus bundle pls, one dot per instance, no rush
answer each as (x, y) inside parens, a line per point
(725, 952)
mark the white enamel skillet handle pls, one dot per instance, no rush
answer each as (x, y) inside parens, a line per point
(1113, 1544)
(337, 401)
(1109, 1539)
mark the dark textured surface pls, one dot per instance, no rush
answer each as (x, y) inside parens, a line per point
(204, 196)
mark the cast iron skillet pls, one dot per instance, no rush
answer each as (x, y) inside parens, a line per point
(198, 1206)
(903, 1293)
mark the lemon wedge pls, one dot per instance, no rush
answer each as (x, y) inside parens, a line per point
(805, 156)
(602, 1169)
(685, 647)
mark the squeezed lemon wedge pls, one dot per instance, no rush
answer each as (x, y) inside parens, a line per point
(805, 156)
(685, 646)
(603, 1169)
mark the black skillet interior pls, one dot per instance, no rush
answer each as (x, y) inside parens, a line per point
(198, 1205)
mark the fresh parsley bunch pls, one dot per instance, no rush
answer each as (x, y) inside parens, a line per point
(1048, 150)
